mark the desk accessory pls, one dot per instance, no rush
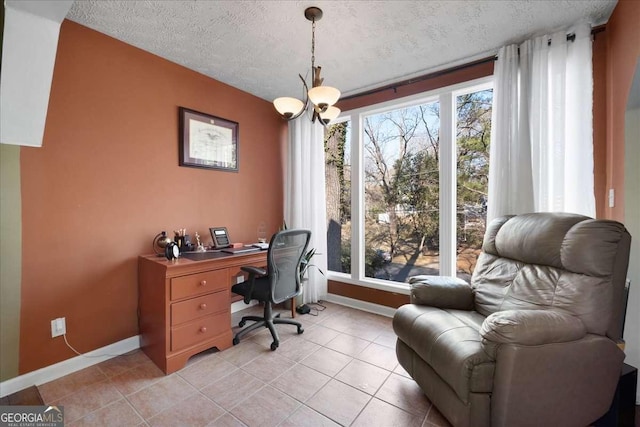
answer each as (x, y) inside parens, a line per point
(160, 242)
(172, 251)
(220, 237)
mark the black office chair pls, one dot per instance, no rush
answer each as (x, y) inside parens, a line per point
(280, 282)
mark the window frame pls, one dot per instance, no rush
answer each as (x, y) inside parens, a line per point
(446, 96)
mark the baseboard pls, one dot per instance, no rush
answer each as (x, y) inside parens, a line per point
(382, 310)
(66, 367)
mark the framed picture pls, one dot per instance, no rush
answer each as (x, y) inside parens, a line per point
(207, 142)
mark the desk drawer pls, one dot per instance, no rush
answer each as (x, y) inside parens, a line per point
(199, 330)
(201, 283)
(194, 308)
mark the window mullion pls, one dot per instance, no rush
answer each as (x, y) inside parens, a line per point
(447, 185)
(357, 200)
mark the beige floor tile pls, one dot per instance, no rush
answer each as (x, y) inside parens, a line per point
(363, 376)
(363, 331)
(379, 413)
(244, 352)
(88, 399)
(154, 399)
(300, 382)
(401, 371)
(347, 344)
(71, 383)
(295, 350)
(386, 339)
(307, 417)
(327, 361)
(194, 411)
(405, 394)
(339, 402)
(267, 407)
(226, 420)
(118, 413)
(268, 366)
(320, 334)
(230, 390)
(140, 376)
(262, 337)
(435, 418)
(379, 355)
(338, 322)
(207, 371)
(122, 363)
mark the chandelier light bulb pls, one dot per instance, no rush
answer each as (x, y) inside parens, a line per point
(323, 97)
(330, 114)
(288, 107)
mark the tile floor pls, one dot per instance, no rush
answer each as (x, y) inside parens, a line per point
(341, 371)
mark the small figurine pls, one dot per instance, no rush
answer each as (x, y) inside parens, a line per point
(200, 246)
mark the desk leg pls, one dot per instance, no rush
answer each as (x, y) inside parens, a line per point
(293, 307)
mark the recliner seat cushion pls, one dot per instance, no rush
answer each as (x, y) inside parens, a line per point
(449, 341)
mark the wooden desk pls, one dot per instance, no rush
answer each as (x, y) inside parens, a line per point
(185, 306)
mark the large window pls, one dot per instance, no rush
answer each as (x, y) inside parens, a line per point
(407, 186)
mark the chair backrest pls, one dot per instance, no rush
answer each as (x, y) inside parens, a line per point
(555, 260)
(286, 250)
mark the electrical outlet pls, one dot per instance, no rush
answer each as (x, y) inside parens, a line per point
(612, 198)
(58, 327)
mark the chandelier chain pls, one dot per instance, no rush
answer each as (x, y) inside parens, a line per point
(313, 46)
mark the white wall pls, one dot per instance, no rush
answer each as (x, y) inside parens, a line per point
(29, 45)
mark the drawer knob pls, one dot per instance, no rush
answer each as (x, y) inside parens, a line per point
(203, 306)
(203, 283)
(203, 329)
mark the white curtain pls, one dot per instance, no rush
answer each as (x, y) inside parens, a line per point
(304, 197)
(542, 131)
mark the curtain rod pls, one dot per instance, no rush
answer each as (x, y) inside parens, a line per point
(418, 79)
(395, 86)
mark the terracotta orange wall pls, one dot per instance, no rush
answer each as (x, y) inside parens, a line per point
(107, 179)
(623, 49)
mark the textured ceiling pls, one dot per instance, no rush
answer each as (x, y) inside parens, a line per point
(262, 46)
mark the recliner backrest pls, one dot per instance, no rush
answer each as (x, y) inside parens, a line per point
(555, 260)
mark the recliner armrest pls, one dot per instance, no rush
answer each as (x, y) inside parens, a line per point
(532, 327)
(254, 270)
(441, 292)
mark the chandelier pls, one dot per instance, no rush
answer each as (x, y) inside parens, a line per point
(321, 97)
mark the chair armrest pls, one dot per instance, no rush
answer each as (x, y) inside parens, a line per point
(254, 270)
(532, 327)
(441, 292)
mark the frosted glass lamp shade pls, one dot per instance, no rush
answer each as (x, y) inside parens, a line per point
(288, 107)
(323, 97)
(329, 115)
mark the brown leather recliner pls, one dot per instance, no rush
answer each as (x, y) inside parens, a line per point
(532, 340)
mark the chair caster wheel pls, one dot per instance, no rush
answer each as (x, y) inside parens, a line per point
(236, 341)
(242, 323)
(274, 345)
(300, 330)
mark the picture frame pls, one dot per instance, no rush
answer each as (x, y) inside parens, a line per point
(206, 141)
